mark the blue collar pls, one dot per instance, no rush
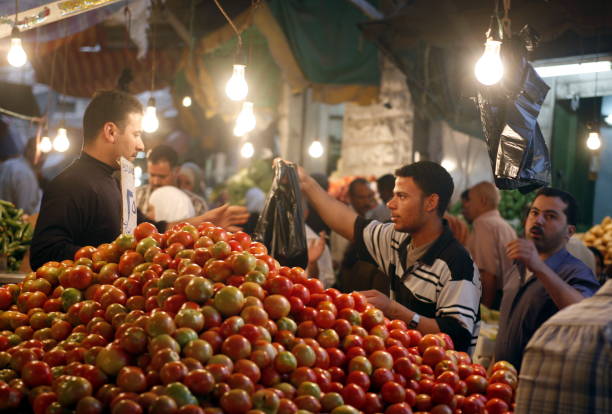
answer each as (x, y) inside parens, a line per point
(557, 259)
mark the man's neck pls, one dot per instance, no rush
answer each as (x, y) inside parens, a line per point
(484, 211)
(428, 233)
(101, 156)
(546, 255)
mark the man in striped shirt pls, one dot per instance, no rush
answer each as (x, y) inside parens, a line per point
(434, 284)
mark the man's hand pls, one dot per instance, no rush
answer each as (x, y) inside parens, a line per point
(316, 248)
(525, 251)
(226, 216)
(377, 299)
(303, 176)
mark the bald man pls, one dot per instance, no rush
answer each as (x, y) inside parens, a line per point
(487, 243)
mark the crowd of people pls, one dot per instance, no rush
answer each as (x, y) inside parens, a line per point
(394, 242)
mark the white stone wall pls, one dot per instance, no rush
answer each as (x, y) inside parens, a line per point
(377, 138)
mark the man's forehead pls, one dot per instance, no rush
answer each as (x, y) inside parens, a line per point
(405, 184)
(161, 164)
(546, 203)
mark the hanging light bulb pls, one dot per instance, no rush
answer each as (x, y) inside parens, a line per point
(237, 88)
(247, 150)
(45, 144)
(16, 55)
(150, 123)
(316, 149)
(246, 120)
(593, 141)
(489, 69)
(61, 142)
(186, 101)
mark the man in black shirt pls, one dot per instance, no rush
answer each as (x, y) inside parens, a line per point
(82, 205)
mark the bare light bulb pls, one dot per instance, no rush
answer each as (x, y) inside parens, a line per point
(187, 101)
(489, 69)
(61, 142)
(45, 144)
(593, 141)
(150, 123)
(16, 55)
(316, 149)
(246, 120)
(247, 150)
(237, 88)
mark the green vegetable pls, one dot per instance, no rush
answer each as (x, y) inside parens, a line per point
(15, 235)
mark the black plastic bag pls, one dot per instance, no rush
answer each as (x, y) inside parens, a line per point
(517, 150)
(281, 223)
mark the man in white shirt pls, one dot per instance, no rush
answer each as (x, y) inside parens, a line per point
(487, 243)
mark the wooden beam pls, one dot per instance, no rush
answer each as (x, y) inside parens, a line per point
(178, 26)
(49, 13)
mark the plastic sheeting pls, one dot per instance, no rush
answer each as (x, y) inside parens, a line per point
(281, 223)
(509, 111)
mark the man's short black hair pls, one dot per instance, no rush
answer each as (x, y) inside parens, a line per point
(385, 182)
(431, 178)
(571, 211)
(357, 181)
(108, 106)
(163, 153)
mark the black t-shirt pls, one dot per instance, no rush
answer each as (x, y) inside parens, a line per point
(80, 207)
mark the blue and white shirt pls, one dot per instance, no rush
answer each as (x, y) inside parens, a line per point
(443, 284)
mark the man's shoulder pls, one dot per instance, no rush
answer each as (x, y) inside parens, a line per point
(458, 261)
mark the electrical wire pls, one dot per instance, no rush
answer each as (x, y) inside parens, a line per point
(231, 23)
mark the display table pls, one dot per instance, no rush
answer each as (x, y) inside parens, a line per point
(6, 278)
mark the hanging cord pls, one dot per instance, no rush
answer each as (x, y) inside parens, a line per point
(128, 23)
(153, 56)
(191, 37)
(506, 19)
(254, 6)
(231, 23)
(65, 72)
(16, 12)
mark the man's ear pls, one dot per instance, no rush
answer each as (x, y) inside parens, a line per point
(109, 132)
(431, 202)
(571, 230)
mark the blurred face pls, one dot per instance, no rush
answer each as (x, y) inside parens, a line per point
(408, 211)
(546, 224)
(184, 182)
(470, 207)
(362, 199)
(129, 140)
(160, 174)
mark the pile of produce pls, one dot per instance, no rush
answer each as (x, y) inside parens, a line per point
(512, 204)
(198, 321)
(259, 174)
(600, 237)
(15, 236)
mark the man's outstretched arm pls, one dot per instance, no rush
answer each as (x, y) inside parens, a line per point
(337, 215)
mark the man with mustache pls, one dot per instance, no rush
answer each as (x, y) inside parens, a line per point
(82, 205)
(545, 277)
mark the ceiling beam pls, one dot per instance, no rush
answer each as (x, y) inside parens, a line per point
(49, 13)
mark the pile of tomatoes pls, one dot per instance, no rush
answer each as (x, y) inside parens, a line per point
(203, 321)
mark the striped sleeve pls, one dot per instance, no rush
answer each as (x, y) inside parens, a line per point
(375, 242)
(459, 299)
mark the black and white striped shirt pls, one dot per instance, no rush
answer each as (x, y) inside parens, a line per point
(443, 284)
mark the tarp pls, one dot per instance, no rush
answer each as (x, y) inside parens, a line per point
(327, 43)
(87, 72)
